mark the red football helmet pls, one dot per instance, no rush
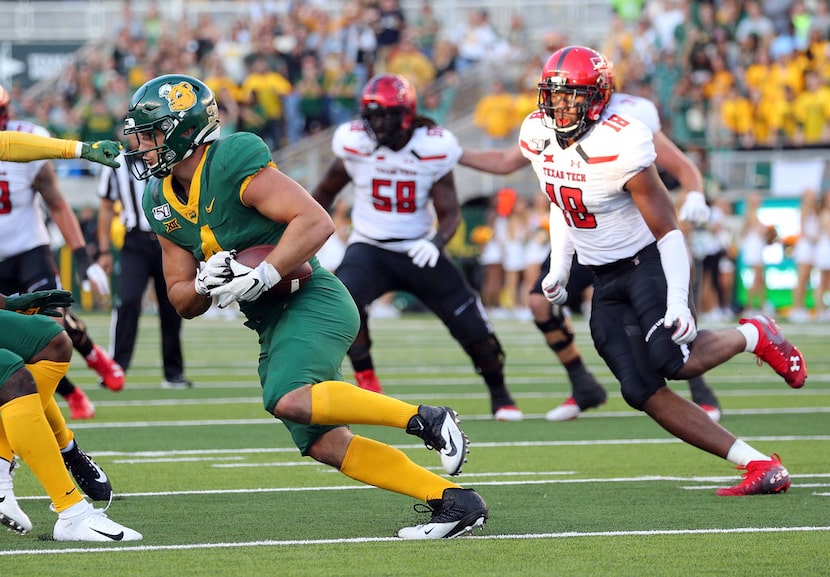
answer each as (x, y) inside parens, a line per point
(387, 106)
(4, 108)
(571, 72)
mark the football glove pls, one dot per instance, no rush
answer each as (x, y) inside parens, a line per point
(102, 152)
(213, 273)
(680, 316)
(694, 209)
(246, 283)
(40, 303)
(424, 253)
(553, 291)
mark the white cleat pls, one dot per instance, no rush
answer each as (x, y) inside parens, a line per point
(90, 524)
(567, 411)
(509, 413)
(458, 512)
(11, 515)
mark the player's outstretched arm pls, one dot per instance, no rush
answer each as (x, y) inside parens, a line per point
(494, 161)
(24, 147)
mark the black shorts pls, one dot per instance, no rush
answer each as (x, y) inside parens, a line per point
(627, 313)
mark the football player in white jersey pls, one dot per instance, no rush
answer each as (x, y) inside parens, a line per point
(401, 167)
(609, 205)
(586, 391)
(26, 261)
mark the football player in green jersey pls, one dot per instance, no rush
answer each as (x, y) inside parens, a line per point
(208, 198)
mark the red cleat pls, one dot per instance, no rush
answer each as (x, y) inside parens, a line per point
(112, 375)
(761, 478)
(779, 353)
(368, 381)
(80, 407)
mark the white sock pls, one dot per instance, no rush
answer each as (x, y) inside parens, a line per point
(740, 453)
(750, 333)
(68, 447)
(75, 510)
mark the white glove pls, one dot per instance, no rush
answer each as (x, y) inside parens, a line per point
(213, 273)
(424, 252)
(217, 266)
(553, 291)
(681, 317)
(694, 209)
(205, 283)
(99, 279)
(246, 283)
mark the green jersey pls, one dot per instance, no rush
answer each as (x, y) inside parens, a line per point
(303, 336)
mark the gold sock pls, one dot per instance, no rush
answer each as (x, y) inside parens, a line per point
(47, 375)
(63, 434)
(386, 467)
(32, 440)
(340, 403)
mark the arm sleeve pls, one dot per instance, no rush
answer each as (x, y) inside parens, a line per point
(23, 147)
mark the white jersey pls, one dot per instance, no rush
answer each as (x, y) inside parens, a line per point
(392, 207)
(22, 224)
(640, 108)
(587, 182)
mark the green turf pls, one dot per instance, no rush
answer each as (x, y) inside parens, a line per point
(217, 488)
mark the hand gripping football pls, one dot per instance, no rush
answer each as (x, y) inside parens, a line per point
(290, 282)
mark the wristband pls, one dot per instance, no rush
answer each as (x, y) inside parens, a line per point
(82, 259)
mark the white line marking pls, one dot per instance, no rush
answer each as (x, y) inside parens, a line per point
(302, 542)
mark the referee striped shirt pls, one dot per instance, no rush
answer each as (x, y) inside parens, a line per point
(120, 184)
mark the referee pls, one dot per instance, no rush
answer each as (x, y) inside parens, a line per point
(140, 261)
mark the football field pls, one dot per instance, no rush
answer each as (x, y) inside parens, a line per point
(218, 489)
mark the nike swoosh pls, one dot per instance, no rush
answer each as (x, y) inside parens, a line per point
(114, 537)
(453, 449)
(102, 477)
(2, 499)
(209, 208)
(70, 492)
(427, 532)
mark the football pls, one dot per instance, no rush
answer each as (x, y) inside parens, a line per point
(290, 282)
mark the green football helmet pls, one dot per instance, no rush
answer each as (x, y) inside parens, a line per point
(179, 112)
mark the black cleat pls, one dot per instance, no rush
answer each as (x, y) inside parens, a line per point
(90, 477)
(438, 427)
(457, 512)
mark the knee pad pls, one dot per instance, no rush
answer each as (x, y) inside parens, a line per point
(75, 328)
(557, 322)
(487, 355)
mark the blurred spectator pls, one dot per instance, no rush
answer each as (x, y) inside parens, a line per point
(804, 255)
(436, 101)
(390, 26)
(263, 90)
(476, 39)
(497, 116)
(425, 28)
(754, 238)
(823, 259)
(313, 104)
(754, 21)
(812, 111)
(342, 86)
(408, 61)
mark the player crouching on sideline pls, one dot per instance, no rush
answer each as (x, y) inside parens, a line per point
(34, 355)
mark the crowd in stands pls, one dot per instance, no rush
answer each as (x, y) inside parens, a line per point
(724, 73)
